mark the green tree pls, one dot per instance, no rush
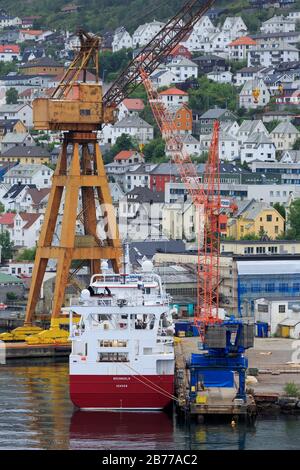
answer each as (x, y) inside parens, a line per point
(280, 208)
(12, 96)
(6, 245)
(293, 232)
(154, 151)
(210, 94)
(296, 145)
(27, 255)
(2, 208)
(124, 142)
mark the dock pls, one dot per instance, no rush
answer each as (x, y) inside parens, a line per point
(211, 401)
(23, 350)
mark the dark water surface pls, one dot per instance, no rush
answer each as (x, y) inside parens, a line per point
(36, 413)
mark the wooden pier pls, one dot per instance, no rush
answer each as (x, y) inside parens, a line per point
(211, 401)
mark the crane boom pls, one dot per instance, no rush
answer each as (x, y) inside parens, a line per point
(153, 53)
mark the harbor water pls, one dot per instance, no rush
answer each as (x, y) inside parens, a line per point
(36, 413)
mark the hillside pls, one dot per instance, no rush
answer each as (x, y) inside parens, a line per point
(105, 15)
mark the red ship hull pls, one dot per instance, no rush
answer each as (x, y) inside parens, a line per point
(121, 392)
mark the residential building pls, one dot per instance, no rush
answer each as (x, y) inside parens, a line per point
(130, 107)
(11, 126)
(258, 146)
(249, 127)
(12, 196)
(33, 35)
(228, 145)
(37, 174)
(9, 52)
(174, 97)
(253, 217)
(26, 229)
(272, 55)
(239, 48)
(9, 20)
(281, 314)
(140, 214)
(44, 65)
(284, 136)
(220, 77)
(121, 40)
(180, 221)
(259, 247)
(21, 112)
(163, 174)
(246, 98)
(234, 26)
(163, 77)
(129, 157)
(209, 117)
(183, 69)
(33, 154)
(182, 117)
(134, 126)
(15, 139)
(145, 32)
(210, 63)
(248, 73)
(278, 24)
(180, 51)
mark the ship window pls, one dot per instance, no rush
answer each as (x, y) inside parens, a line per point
(112, 357)
(85, 112)
(113, 343)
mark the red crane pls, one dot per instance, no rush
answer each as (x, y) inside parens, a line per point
(206, 197)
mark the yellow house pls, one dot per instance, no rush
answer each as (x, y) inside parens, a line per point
(15, 126)
(256, 218)
(31, 154)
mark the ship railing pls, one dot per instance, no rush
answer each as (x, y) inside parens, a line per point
(118, 302)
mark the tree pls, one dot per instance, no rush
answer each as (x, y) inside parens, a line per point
(27, 255)
(6, 245)
(124, 142)
(293, 232)
(2, 208)
(154, 151)
(280, 208)
(210, 94)
(12, 96)
(296, 145)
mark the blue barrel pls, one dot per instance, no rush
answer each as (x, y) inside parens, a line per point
(190, 310)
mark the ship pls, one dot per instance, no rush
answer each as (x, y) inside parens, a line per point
(122, 355)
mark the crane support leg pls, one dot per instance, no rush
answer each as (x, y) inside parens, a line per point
(84, 175)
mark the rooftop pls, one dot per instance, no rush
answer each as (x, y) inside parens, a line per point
(173, 91)
(243, 41)
(34, 151)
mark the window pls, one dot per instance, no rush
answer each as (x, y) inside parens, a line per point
(281, 309)
(262, 308)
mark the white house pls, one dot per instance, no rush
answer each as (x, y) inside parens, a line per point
(272, 55)
(121, 40)
(9, 53)
(129, 157)
(220, 77)
(248, 73)
(235, 26)
(204, 26)
(7, 20)
(134, 126)
(12, 139)
(183, 69)
(145, 32)
(279, 313)
(37, 174)
(26, 229)
(228, 145)
(239, 48)
(290, 156)
(278, 24)
(22, 112)
(246, 98)
(258, 146)
(130, 107)
(249, 127)
(284, 136)
(174, 97)
(163, 77)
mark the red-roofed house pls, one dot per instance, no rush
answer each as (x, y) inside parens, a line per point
(26, 229)
(130, 106)
(9, 52)
(239, 48)
(7, 221)
(180, 51)
(129, 157)
(174, 97)
(32, 35)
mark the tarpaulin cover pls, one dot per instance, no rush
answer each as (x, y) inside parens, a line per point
(216, 378)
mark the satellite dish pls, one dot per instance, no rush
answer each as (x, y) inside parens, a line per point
(147, 266)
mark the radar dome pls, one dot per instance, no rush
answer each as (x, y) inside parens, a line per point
(104, 265)
(147, 266)
(85, 294)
